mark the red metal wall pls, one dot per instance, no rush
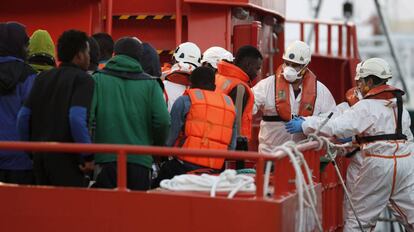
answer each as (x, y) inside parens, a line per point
(54, 16)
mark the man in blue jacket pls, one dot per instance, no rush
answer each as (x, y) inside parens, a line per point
(16, 79)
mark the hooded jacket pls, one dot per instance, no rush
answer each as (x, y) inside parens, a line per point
(16, 80)
(128, 108)
(41, 51)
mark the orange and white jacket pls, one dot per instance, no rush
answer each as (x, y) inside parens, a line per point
(273, 134)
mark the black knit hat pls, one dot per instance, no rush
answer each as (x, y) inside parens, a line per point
(203, 78)
(128, 46)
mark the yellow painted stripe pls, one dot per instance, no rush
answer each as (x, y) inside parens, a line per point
(158, 16)
(159, 51)
(124, 17)
(171, 52)
(172, 16)
(140, 17)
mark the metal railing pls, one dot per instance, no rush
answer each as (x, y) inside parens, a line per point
(123, 150)
(343, 29)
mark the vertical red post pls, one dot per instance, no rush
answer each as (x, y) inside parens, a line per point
(339, 40)
(355, 42)
(316, 38)
(348, 41)
(302, 31)
(178, 22)
(122, 171)
(329, 39)
(108, 21)
(259, 178)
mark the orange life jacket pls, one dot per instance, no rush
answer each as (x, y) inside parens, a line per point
(351, 97)
(179, 78)
(166, 67)
(209, 125)
(384, 92)
(282, 95)
(227, 78)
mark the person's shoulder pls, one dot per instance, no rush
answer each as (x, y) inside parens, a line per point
(266, 80)
(322, 87)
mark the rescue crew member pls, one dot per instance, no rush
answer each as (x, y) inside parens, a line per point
(353, 95)
(201, 119)
(16, 80)
(381, 125)
(235, 81)
(106, 47)
(293, 90)
(57, 111)
(128, 108)
(186, 58)
(213, 55)
(41, 51)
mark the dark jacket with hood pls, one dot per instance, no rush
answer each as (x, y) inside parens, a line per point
(16, 79)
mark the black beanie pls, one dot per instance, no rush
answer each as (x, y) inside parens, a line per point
(203, 78)
(128, 46)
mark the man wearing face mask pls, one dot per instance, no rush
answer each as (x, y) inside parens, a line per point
(293, 91)
(381, 126)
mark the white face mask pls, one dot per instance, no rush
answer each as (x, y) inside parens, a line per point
(290, 74)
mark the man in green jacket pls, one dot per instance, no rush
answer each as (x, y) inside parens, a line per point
(128, 108)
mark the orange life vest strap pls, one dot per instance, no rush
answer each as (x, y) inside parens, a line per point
(282, 95)
(388, 156)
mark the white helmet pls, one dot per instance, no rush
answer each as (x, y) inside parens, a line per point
(188, 53)
(215, 54)
(373, 66)
(298, 52)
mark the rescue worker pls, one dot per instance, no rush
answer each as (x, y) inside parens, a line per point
(293, 90)
(381, 126)
(353, 95)
(57, 111)
(200, 107)
(128, 108)
(235, 81)
(41, 51)
(213, 55)
(106, 47)
(186, 58)
(16, 80)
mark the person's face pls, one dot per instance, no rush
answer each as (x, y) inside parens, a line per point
(364, 85)
(253, 68)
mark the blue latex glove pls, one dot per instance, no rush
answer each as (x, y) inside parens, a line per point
(295, 125)
(345, 140)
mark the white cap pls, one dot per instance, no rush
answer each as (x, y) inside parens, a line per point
(188, 53)
(373, 66)
(215, 54)
(298, 52)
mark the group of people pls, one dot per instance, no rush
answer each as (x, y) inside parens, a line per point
(118, 93)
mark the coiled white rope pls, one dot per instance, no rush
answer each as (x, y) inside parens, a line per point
(296, 157)
(227, 181)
